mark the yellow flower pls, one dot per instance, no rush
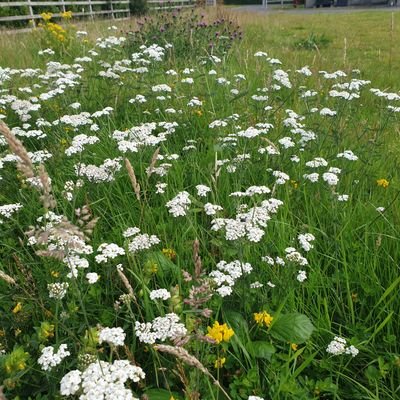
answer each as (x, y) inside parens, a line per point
(151, 267)
(220, 333)
(294, 183)
(382, 182)
(17, 308)
(294, 346)
(46, 16)
(169, 253)
(66, 15)
(15, 361)
(46, 331)
(55, 274)
(219, 362)
(263, 318)
(199, 113)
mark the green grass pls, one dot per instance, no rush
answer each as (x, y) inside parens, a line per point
(352, 274)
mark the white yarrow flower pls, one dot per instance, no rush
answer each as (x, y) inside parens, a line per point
(160, 294)
(112, 336)
(49, 359)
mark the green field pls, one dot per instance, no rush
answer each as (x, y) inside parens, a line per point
(207, 208)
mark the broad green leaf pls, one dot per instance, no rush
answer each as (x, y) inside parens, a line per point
(293, 328)
(236, 321)
(261, 349)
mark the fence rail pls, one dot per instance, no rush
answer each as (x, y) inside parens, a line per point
(266, 3)
(170, 4)
(87, 7)
(64, 5)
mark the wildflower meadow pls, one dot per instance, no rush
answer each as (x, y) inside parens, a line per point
(186, 214)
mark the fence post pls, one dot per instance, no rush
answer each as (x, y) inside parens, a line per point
(91, 9)
(112, 10)
(63, 6)
(31, 12)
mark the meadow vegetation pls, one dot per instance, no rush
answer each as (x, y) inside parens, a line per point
(201, 207)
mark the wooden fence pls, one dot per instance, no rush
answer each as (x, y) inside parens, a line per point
(168, 4)
(89, 8)
(115, 8)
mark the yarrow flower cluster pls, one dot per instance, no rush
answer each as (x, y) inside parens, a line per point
(212, 209)
(226, 275)
(57, 290)
(8, 210)
(92, 277)
(79, 142)
(248, 224)
(138, 241)
(301, 276)
(161, 328)
(339, 346)
(162, 294)
(294, 256)
(108, 251)
(202, 190)
(49, 359)
(103, 173)
(305, 241)
(179, 205)
(112, 336)
(102, 380)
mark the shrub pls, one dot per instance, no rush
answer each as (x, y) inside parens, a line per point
(138, 7)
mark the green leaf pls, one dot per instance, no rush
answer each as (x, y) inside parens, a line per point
(372, 373)
(239, 325)
(293, 328)
(261, 349)
(236, 321)
(166, 266)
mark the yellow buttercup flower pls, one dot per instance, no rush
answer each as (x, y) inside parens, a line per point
(263, 318)
(220, 333)
(382, 182)
(294, 346)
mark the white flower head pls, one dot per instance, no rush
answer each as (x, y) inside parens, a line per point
(112, 336)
